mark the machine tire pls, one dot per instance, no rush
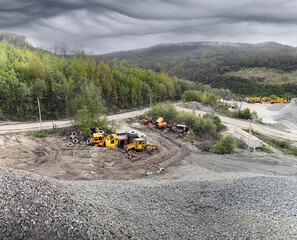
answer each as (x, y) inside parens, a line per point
(89, 141)
(70, 144)
(75, 141)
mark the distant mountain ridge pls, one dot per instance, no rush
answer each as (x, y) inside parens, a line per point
(190, 49)
(208, 62)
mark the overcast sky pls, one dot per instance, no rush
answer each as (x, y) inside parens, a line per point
(102, 26)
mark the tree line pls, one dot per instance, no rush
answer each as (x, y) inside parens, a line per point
(66, 84)
(206, 63)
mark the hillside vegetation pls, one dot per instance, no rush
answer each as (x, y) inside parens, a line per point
(209, 63)
(65, 85)
(265, 75)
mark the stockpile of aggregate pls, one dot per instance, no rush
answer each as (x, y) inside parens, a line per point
(34, 207)
(287, 112)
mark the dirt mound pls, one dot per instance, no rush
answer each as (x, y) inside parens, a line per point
(288, 113)
(277, 107)
(195, 106)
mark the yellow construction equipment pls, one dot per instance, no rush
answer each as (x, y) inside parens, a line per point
(140, 144)
(281, 100)
(98, 139)
(111, 141)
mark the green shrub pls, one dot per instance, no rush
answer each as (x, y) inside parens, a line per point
(164, 109)
(224, 146)
(209, 99)
(217, 121)
(224, 109)
(264, 148)
(198, 96)
(255, 116)
(246, 113)
(191, 95)
(187, 118)
(85, 121)
(199, 125)
(240, 144)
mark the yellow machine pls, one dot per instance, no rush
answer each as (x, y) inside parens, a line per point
(111, 141)
(98, 139)
(281, 100)
(140, 144)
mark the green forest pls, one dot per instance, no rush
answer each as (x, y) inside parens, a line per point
(67, 84)
(209, 63)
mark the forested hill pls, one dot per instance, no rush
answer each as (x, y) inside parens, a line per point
(15, 40)
(208, 63)
(65, 85)
(166, 56)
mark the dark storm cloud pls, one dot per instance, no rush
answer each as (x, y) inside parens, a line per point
(107, 25)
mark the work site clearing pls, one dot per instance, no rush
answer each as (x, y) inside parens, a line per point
(52, 157)
(176, 192)
(59, 158)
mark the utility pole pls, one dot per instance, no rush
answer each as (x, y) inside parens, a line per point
(250, 135)
(39, 113)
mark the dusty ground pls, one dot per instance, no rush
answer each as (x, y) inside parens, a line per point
(51, 157)
(200, 195)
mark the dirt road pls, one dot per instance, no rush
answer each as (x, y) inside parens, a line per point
(231, 123)
(21, 127)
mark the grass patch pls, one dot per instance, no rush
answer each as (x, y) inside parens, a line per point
(264, 148)
(263, 75)
(282, 145)
(44, 133)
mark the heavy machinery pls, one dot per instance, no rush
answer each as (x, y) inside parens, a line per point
(281, 100)
(140, 144)
(110, 141)
(123, 138)
(98, 139)
(160, 123)
(234, 105)
(146, 120)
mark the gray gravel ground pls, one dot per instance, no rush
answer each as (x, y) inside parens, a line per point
(34, 207)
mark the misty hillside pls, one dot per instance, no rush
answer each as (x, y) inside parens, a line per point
(15, 40)
(165, 56)
(211, 63)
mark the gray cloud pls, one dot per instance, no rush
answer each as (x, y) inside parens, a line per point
(112, 25)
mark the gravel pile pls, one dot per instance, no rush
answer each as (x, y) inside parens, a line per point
(34, 207)
(288, 113)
